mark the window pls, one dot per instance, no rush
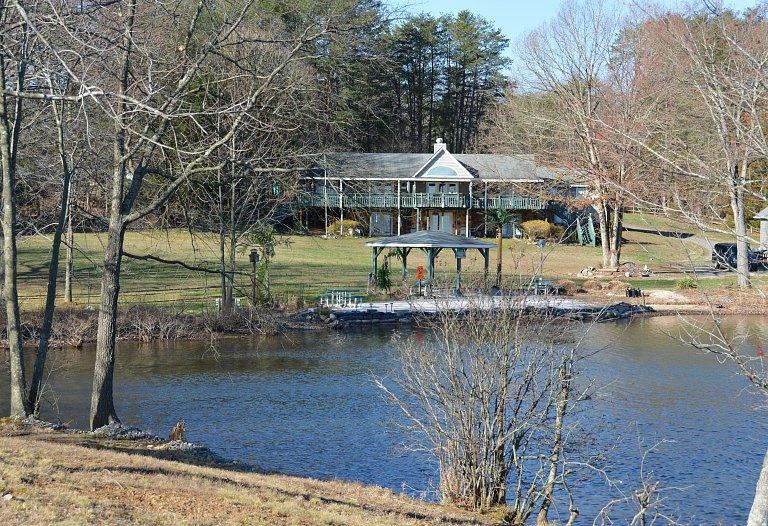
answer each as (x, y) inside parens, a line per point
(441, 171)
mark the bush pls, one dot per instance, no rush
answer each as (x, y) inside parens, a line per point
(538, 229)
(344, 228)
(592, 284)
(686, 283)
(566, 287)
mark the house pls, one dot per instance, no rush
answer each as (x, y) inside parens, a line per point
(400, 193)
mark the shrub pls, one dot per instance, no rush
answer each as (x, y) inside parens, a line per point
(343, 228)
(593, 284)
(537, 229)
(686, 283)
(383, 280)
(566, 287)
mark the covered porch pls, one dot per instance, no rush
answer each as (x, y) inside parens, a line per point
(432, 243)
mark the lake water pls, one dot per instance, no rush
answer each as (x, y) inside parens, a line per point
(305, 404)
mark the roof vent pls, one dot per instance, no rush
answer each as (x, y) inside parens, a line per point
(439, 144)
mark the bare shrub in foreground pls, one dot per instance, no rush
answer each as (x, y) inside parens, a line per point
(490, 394)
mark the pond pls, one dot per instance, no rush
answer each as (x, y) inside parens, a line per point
(305, 404)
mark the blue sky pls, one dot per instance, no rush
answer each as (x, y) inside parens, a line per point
(515, 17)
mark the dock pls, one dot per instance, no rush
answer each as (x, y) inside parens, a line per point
(405, 311)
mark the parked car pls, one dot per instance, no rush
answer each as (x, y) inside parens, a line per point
(724, 256)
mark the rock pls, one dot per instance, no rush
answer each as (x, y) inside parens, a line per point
(8, 496)
(121, 432)
(666, 296)
(32, 421)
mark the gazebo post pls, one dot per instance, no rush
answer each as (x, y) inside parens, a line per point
(485, 253)
(431, 263)
(375, 261)
(457, 289)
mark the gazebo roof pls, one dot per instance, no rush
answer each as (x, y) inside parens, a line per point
(762, 214)
(430, 239)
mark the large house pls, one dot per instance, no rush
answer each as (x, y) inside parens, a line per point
(400, 193)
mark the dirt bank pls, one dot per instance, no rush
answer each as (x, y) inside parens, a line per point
(51, 476)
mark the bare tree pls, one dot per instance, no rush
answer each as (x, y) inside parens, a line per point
(17, 44)
(58, 109)
(490, 396)
(707, 135)
(153, 73)
(564, 65)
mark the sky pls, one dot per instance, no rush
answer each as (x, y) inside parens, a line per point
(516, 17)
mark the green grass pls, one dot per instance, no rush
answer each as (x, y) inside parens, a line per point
(310, 265)
(667, 224)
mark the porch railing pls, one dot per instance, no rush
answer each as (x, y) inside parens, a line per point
(421, 200)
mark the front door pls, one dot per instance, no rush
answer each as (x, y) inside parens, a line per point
(447, 223)
(381, 224)
(441, 222)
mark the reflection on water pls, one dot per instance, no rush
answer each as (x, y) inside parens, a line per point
(305, 404)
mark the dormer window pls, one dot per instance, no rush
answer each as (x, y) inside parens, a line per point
(441, 171)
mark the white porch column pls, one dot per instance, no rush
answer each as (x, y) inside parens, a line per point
(398, 208)
(325, 197)
(341, 207)
(469, 205)
(485, 210)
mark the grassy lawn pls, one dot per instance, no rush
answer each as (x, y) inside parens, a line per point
(310, 265)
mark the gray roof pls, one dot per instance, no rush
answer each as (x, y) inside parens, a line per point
(405, 165)
(429, 239)
(762, 214)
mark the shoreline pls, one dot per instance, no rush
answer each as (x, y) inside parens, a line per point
(52, 475)
(171, 326)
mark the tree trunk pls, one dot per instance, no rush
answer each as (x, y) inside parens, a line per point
(758, 515)
(53, 274)
(615, 236)
(69, 268)
(225, 305)
(605, 243)
(50, 305)
(499, 252)
(740, 226)
(19, 405)
(232, 246)
(557, 442)
(102, 402)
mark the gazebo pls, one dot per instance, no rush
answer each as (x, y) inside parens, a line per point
(431, 243)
